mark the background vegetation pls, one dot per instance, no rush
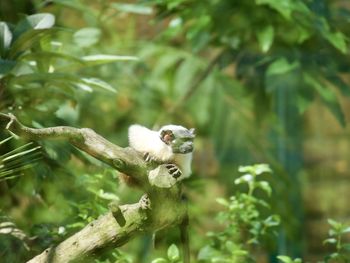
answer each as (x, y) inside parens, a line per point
(262, 81)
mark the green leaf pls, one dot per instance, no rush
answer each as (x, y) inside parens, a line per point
(337, 39)
(34, 22)
(262, 168)
(99, 84)
(159, 260)
(87, 37)
(265, 186)
(244, 179)
(133, 8)
(41, 21)
(48, 55)
(330, 241)
(245, 169)
(265, 38)
(103, 59)
(284, 7)
(108, 196)
(222, 201)
(281, 66)
(328, 97)
(173, 253)
(6, 66)
(64, 77)
(346, 230)
(5, 38)
(28, 39)
(334, 224)
(272, 221)
(285, 259)
(207, 253)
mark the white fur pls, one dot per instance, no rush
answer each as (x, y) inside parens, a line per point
(145, 140)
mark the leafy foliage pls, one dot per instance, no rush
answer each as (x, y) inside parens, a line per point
(245, 224)
(241, 72)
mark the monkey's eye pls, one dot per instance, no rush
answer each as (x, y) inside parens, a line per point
(167, 136)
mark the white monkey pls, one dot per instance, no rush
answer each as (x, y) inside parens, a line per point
(171, 145)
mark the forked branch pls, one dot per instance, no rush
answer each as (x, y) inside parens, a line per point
(159, 208)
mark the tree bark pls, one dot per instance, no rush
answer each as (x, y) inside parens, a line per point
(157, 209)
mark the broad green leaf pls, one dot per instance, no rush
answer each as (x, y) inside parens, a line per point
(41, 21)
(87, 37)
(265, 38)
(6, 66)
(132, 8)
(337, 39)
(281, 66)
(173, 253)
(5, 38)
(34, 22)
(328, 97)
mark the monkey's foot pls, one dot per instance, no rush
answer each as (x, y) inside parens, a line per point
(173, 170)
(145, 202)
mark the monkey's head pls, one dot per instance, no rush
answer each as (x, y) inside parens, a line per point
(178, 138)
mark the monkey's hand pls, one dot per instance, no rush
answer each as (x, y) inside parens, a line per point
(149, 158)
(173, 170)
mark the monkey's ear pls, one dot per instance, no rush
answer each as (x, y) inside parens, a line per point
(166, 136)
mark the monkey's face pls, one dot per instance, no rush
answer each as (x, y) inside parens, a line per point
(180, 139)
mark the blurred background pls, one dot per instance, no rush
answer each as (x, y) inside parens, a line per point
(262, 81)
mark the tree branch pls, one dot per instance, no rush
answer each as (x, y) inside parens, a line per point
(125, 160)
(158, 209)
